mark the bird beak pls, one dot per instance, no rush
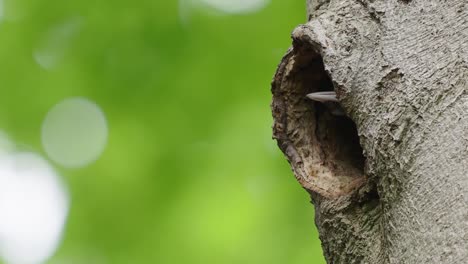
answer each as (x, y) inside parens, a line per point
(323, 96)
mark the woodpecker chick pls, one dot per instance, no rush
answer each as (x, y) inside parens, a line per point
(328, 98)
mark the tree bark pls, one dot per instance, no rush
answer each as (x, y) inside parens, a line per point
(390, 181)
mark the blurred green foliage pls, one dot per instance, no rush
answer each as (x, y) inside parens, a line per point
(190, 173)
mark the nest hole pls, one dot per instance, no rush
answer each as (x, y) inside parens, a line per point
(336, 135)
(322, 147)
(337, 162)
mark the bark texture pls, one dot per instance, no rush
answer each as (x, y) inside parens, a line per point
(390, 181)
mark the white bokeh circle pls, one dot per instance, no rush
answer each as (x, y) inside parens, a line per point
(236, 6)
(34, 206)
(74, 132)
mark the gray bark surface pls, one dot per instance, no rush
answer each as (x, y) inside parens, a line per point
(400, 71)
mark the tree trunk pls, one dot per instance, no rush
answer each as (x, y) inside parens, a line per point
(390, 181)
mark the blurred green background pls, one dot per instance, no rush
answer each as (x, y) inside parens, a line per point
(189, 173)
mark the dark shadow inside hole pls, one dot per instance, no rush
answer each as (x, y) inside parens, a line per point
(347, 142)
(326, 83)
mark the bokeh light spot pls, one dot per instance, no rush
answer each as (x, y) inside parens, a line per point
(55, 43)
(236, 6)
(33, 208)
(74, 132)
